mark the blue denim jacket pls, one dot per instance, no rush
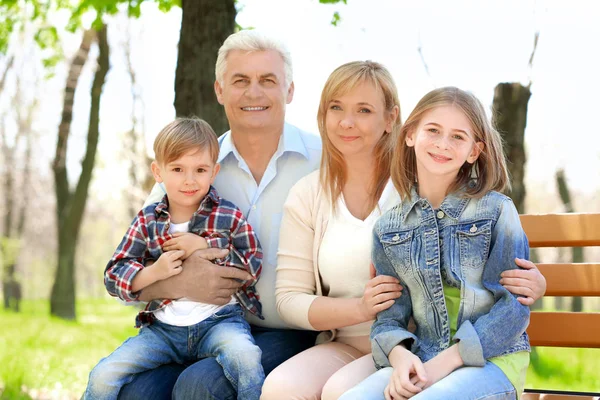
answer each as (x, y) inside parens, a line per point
(466, 243)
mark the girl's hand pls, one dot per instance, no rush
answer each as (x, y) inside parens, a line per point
(409, 376)
(440, 366)
(528, 282)
(186, 241)
(167, 265)
(380, 293)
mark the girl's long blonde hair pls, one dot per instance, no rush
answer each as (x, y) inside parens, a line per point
(488, 172)
(333, 167)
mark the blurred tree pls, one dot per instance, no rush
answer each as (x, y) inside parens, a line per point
(70, 205)
(15, 211)
(510, 118)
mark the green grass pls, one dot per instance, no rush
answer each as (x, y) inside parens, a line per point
(44, 357)
(564, 369)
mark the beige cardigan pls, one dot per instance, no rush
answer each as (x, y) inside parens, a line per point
(305, 216)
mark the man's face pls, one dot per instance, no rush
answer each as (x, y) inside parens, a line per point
(253, 90)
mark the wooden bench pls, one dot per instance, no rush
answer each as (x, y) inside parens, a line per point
(565, 329)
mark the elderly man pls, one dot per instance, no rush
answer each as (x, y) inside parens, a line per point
(261, 158)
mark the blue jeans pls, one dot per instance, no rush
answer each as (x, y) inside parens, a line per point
(205, 380)
(467, 383)
(224, 335)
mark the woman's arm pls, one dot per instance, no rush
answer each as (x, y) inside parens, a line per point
(506, 321)
(297, 302)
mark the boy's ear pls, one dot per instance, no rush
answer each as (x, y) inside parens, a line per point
(477, 149)
(156, 171)
(216, 170)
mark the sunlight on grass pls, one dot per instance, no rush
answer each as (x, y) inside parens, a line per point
(51, 358)
(48, 358)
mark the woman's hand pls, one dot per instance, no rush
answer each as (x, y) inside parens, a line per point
(186, 241)
(409, 376)
(528, 282)
(380, 293)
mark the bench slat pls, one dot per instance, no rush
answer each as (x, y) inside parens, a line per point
(564, 329)
(562, 230)
(572, 279)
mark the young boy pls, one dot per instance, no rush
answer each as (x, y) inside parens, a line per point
(191, 216)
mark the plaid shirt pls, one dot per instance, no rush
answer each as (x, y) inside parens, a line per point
(217, 220)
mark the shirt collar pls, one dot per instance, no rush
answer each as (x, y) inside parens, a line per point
(453, 205)
(292, 142)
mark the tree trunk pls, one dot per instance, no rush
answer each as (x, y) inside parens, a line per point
(577, 252)
(70, 206)
(205, 24)
(510, 118)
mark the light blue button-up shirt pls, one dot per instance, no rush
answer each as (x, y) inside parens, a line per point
(298, 154)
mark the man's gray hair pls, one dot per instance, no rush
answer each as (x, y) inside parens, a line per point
(252, 40)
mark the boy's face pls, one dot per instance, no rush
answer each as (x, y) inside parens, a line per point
(187, 179)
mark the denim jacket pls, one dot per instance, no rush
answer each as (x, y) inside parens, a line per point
(466, 243)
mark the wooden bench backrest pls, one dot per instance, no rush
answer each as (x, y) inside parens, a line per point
(566, 329)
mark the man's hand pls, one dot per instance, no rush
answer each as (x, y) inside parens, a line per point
(186, 241)
(210, 283)
(528, 282)
(200, 280)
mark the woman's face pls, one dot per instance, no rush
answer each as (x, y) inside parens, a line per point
(356, 120)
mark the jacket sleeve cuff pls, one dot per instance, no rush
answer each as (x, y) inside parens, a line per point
(383, 343)
(469, 345)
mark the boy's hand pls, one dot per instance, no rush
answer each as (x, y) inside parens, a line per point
(167, 265)
(186, 241)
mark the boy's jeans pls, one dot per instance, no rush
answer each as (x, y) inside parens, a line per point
(467, 383)
(225, 335)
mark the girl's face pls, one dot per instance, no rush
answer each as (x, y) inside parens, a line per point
(357, 120)
(443, 142)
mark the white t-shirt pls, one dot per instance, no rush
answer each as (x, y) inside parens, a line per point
(345, 256)
(184, 312)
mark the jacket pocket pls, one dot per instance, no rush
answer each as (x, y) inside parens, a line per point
(474, 239)
(397, 246)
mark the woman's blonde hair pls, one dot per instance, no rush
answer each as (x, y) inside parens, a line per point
(333, 167)
(488, 172)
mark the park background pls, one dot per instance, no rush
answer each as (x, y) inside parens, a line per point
(48, 347)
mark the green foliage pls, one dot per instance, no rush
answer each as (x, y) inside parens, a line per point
(333, 1)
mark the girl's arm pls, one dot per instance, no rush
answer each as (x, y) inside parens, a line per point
(506, 321)
(390, 327)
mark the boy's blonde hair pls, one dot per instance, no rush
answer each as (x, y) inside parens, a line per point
(183, 135)
(488, 172)
(333, 168)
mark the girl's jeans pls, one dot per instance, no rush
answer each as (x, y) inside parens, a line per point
(467, 383)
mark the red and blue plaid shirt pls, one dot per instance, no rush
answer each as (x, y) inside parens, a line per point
(217, 220)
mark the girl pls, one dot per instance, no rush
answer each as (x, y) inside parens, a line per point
(448, 242)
